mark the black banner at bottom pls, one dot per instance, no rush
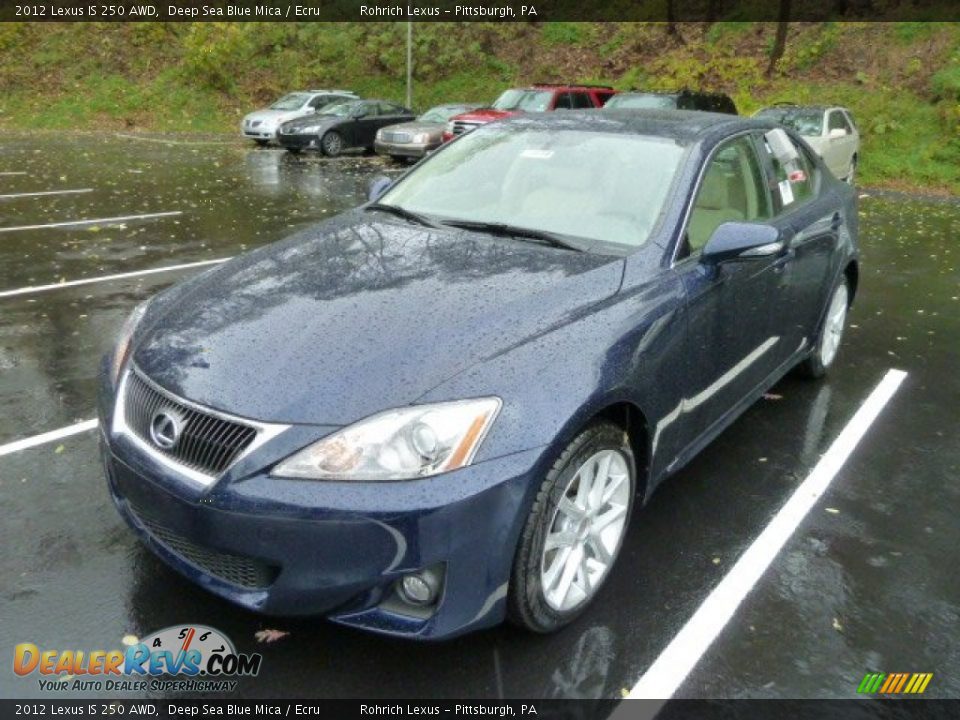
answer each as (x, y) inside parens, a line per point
(899, 709)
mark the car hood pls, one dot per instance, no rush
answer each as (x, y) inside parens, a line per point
(485, 115)
(358, 315)
(312, 120)
(273, 116)
(416, 127)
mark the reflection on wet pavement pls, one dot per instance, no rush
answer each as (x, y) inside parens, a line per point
(867, 587)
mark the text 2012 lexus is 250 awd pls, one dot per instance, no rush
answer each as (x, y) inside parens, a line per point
(444, 407)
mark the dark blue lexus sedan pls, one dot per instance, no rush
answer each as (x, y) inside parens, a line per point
(443, 408)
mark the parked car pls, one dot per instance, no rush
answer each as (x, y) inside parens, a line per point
(830, 131)
(343, 126)
(682, 100)
(415, 139)
(536, 98)
(261, 126)
(443, 407)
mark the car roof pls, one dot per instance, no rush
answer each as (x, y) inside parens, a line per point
(684, 126)
(798, 106)
(332, 92)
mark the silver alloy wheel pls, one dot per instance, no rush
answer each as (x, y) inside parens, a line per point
(585, 533)
(833, 325)
(332, 143)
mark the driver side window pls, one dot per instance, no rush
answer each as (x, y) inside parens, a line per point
(732, 189)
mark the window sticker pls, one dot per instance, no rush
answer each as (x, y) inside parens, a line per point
(786, 192)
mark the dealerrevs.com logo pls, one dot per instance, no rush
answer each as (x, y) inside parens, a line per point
(181, 658)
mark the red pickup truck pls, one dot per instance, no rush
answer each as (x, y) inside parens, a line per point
(536, 98)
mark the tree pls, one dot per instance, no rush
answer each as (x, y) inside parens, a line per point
(780, 42)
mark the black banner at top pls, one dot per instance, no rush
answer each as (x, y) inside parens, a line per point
(477, 10)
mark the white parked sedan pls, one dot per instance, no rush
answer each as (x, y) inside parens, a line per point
(830, 131)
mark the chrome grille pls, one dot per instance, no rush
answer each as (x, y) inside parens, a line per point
(396, 137)
(235, 569)
(207, 443)
(462, 126)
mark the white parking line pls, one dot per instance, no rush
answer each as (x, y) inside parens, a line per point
(91, 221)
(12, 196)
(46, 437)
(105, 278)
(664, 677)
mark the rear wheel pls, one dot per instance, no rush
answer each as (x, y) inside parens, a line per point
(573, 534)
(831, 334)
(332, 144)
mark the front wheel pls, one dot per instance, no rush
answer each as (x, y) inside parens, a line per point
(332, 144)
(573, 534)
(831, 334)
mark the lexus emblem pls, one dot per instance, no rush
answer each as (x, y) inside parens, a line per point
(165, 429)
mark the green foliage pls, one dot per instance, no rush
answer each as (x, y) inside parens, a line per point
(563, 33)
(203, 77)
(720, 32)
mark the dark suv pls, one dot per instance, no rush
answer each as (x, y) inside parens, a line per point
(682, 100)
(535, 98)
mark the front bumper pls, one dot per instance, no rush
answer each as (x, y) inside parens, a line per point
(258, 133)
(299, 142)
(300, 547)
(414, 150)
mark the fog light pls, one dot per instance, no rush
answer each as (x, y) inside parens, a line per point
(420, 588)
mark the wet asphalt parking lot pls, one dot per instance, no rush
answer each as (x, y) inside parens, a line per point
(868, 582)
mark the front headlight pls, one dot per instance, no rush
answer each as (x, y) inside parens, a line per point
(402, 444)
(309, 130)
(122, 348)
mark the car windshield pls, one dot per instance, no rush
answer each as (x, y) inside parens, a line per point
(526, 100)
(339, 109)
(804, 121)
(608, 188)
(642, 100)
(293, 101)
(441, 113)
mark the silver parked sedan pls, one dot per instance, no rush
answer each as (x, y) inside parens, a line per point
(829, 130)
(415, 139)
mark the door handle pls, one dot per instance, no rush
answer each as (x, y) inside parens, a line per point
(836, 221)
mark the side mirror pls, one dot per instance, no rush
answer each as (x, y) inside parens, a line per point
(377, 187)
(361, 113)
(741, 241)
(838, 133)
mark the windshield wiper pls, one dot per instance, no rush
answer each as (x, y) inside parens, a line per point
(403, 213)
(497, 228)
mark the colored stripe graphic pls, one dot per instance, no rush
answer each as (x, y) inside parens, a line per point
(894, 683)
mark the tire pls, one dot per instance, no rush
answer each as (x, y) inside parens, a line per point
(262, 143)
(331, 144)
(851, 173)
(535, 566)
(831, 333)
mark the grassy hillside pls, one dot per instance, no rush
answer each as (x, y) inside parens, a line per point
(901, 80)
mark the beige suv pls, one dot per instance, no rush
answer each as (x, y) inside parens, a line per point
(829, 130)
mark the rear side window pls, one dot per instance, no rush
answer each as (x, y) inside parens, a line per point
(794, 184)
(581, 101)
(732, 190)
(564, 102)
(838, 121)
